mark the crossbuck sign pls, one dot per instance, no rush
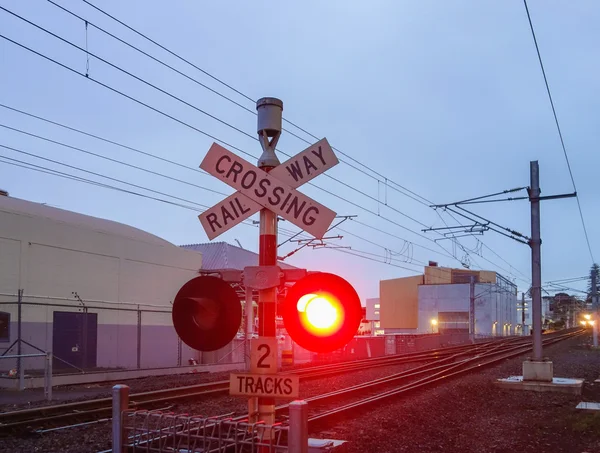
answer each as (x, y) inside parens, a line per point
(276, 190)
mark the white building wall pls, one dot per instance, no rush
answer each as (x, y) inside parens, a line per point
(51, 253)
(373, 309)
(493, 307)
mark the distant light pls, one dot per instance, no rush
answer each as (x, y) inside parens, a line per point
(583, 323)
(591, 323)
(588, 317)
(434, 322)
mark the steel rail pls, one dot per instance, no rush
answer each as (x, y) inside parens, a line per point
(446, 372)
(504, 349)
(102, 406)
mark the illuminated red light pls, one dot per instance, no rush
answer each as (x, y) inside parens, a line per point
(322, 312)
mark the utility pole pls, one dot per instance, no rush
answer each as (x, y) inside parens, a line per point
(522, 304)
(536, 261)
(269, 130)
(472, 309)
(595, 307)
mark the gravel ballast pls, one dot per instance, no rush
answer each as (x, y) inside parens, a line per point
(472, 415)
(467, 414)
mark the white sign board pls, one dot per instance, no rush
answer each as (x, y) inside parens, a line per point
(297, 170)
(264, 385)
(266, 190)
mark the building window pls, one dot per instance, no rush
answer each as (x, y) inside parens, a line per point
(377, 306)
(376, 312)
(4, 326)
(377, 324)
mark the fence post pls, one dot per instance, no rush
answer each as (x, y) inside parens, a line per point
(120, 403)
(20, 364)
(48, 376)
(139, 337)
(298, 433)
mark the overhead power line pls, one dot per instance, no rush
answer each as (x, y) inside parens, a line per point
(385, 180)
(53, 172)
(560, 135)
(110, 159)
(165, 92)
(227, 144)
(249, 98)
(136, 150)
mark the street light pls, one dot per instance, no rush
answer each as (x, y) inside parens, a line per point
(588, 317)
(433, 324)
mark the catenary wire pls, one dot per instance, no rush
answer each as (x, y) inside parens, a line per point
(386, 180)
(347, 185)
(560, 135)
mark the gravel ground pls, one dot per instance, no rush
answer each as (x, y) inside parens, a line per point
(465, 415)
(81, 392)
(471, 414)
(95, 438)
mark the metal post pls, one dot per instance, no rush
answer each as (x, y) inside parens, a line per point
(472, 309)
(596, 318)
(139, 337)
(523, 313)
(269, 130)
(120, 403)
(536, 261)
(20, 365)
(84, 339)
(298, 433)
(48, 376)
(249, 326)
(252, 401)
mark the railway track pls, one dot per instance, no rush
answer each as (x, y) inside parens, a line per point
(324, 408)
(45, 418)
(329, 407)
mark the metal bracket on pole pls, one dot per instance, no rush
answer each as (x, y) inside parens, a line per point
(262, 277)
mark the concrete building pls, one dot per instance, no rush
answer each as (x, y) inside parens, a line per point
(439, 302)
(96, 293)
(373, 308)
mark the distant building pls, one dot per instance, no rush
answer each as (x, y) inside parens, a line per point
(373, 313)
(438, 301)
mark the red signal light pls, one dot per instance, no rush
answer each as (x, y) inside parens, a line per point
(321, 312)
(206, 313)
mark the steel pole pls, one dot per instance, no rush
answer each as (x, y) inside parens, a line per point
(472, 309)
(596, 318)
(269, 129)
(522, 304)
(536, 260)
(20, 364)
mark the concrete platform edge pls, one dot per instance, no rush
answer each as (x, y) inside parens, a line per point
(540, 386)
(115, 375)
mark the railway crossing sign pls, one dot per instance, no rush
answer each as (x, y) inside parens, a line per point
(276, 190)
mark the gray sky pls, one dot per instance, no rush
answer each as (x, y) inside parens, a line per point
(445, 98)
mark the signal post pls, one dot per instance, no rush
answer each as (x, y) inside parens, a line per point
(321, 311)
(269, 130)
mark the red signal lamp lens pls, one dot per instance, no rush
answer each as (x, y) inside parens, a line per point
(319, 313)
(322, 312)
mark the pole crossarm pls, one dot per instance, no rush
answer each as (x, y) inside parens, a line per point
(470, 200)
